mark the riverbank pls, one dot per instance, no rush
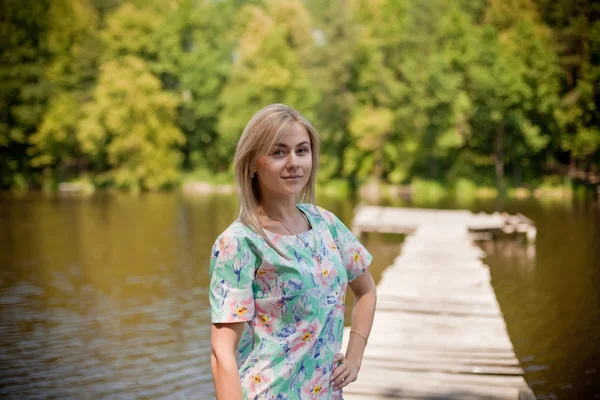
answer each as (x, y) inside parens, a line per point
(419, 190)
(462, 190)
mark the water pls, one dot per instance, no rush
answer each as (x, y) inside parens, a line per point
(106, 297)
(551, 302)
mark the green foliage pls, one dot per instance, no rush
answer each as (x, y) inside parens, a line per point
(202, 67)
(55, 139)
(267, 69)
(333, 67)
(130, 127)
(576, 29)
(465, 190)
(334, 188)
(369, 128)
(132, 93)
(426, 191)
(74, 51)
(23, 87)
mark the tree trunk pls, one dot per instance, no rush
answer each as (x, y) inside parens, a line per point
(499, 158)
(572, 167)
(379, 168)
(518, 174)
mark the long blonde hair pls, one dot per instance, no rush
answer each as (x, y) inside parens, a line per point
(260, 134)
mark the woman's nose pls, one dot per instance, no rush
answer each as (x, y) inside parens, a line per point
(292, 161)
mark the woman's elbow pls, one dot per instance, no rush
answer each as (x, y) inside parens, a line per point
(217, 356)
(213, 359)
(222, 359)
(214, 362)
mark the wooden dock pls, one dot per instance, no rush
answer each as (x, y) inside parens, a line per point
(438, 331)
(407, 220)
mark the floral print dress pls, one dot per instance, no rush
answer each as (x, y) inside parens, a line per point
(294, 309)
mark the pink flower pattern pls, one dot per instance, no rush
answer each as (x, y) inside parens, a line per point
(266, 318)
(259, 379)
(316, 387)
(265, 276)
(240, 307)
(325, 273)
(305, 336)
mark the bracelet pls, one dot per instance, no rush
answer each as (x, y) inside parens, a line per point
(360, 334)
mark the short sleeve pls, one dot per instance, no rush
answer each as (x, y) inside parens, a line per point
(232, 267)
(355, 256)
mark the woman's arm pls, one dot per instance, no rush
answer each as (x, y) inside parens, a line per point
(363, 312)
(224, 340)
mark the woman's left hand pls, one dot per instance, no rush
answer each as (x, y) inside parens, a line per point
(346, 372)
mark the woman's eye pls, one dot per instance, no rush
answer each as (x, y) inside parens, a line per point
(278, 152)
(303, 150)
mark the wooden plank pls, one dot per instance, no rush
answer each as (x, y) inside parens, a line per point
(394, 320)
(420, 365)
(443, 325)
(451, 356)
(426, 382)
(389, 219)
(415, 392)
(389, 378)
(464, 293)
(387, 304)
(434, 300)
(465, 345)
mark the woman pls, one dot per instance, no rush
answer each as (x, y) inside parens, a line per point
(279, 273)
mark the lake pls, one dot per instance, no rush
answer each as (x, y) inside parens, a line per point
(106, 296)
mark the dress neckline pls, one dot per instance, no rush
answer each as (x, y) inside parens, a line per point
(310, 222)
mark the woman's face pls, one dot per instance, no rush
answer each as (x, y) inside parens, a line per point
(287, 167)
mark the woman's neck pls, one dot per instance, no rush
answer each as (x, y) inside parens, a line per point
(280, 209)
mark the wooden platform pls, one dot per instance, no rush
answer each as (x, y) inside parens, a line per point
(407, 220)
(438, 331)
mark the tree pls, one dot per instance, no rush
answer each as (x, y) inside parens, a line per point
(75, 50)
(514, 82)
(370, 128)
(130, 127)
(202, 56)
(333, 71)
(23, 85)
(450, 108)
(380, 91)
(576, 26)
(267, 69)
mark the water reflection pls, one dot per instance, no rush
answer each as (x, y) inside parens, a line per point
(104, 345)
(519, 256)
(106, 297)
(551, 301)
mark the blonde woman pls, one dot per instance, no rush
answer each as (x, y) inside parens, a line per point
(279, 273)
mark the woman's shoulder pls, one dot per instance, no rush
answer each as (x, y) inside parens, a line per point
(317, 212)
(236, 231)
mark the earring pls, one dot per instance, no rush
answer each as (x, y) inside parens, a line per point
(252, 176)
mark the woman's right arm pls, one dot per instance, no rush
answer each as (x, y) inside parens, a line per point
(224, 340)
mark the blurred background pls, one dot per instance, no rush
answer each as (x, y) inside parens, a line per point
(118, 126)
